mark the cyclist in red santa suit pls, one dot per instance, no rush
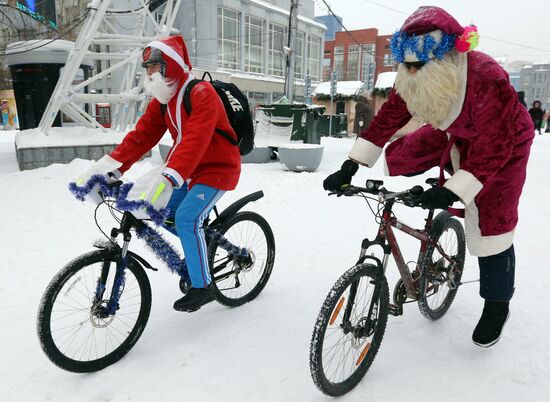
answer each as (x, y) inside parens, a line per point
(476, 129)
(200, 166)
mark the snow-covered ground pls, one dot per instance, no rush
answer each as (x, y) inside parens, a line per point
(259, 352)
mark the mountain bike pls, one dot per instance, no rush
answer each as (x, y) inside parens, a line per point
(96, 308)
(352, 321)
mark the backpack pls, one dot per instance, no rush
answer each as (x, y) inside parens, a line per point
(236, 108)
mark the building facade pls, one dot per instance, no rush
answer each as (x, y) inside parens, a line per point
(358, 58)
(535, 82)
(244, 41)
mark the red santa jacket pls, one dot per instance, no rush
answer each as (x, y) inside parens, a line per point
(198, 155)
(492, 135)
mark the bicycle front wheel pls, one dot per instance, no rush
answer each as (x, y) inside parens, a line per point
(239, 280)
(349, 330)
(438, 285)
(77, 331)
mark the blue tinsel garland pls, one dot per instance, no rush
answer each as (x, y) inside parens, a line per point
(401, 42)
(153, 239)
(120, 194)
(162, 249)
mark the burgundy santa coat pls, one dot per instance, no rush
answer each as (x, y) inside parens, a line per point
(490, 134)
(199, 155)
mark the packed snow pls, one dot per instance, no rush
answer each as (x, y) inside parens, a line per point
(259, 351)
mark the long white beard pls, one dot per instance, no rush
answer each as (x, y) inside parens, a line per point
(431, 91)
(158, 87)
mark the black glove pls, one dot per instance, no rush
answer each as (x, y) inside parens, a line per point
(438, 198)
(335, 181)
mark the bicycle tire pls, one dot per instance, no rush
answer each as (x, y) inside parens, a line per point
(365, 352)
(77, 271)
(427, 301)
(255, 229)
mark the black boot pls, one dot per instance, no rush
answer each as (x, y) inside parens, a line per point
(489, 328)
(195, 299)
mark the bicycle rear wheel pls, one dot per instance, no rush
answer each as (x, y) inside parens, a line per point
(346, 337)
(75, 328)
(239, 280)
(438, 285)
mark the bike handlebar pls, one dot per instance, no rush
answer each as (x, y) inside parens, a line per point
(410, 197)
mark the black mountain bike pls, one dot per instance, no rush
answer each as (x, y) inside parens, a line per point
(96, 308)
(352, 321)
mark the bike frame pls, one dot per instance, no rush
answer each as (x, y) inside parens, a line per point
(387, 240)
(154, 240)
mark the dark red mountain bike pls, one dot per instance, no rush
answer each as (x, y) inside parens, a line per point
(352, 320)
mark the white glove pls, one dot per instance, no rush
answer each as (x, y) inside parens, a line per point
(103, 166)
(152, 187)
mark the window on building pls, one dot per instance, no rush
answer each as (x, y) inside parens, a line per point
(254, 40)
(538, 93)
(540, 77)
(313, 56)
(326, 69)
(275, 59)
(339, 60)
(388, 60)
(340, 107)
(256, 99)
(353, 63)
(228, 38)
(299, 54)
(369, 64)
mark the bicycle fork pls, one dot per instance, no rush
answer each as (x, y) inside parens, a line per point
(112, 305)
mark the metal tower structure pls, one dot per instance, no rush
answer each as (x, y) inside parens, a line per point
(114, 36)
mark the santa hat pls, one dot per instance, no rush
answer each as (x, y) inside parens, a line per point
(174, 52)
(429, 33)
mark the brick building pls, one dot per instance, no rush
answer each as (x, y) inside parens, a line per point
(358, 63)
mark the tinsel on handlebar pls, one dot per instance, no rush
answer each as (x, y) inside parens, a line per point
(120, 194)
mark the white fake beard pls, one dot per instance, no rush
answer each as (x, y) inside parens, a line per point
(431, 91)
(158, 87)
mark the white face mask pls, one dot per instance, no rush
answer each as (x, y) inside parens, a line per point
(160, 88)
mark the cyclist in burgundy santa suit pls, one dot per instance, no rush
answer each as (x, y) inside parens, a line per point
(476, 129)
(200, 166)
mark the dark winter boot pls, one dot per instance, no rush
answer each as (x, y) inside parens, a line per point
(195, 299)
(489, 327)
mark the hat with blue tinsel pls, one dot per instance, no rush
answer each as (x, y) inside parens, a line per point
(431, 32)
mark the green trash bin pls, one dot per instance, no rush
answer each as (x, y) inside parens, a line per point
(339, 126)
(305, 120)
(314, 123)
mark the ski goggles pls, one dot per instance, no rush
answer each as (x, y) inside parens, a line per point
(151, 55)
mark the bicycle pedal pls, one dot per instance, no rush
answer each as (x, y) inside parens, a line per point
(395, 309)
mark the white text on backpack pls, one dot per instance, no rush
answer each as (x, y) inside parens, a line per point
(235, 104)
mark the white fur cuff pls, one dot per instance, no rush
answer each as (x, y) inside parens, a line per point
(464, 185)
(365, 152)
(177, 177)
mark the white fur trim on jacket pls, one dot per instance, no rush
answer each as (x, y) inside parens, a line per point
(365, 152)
(464, 185)
(479, 245)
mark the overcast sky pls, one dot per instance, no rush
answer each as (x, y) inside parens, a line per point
(523, 23)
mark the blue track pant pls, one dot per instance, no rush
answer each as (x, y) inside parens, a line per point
(191, 209)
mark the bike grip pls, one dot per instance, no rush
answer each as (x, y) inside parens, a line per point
(416, 190)
(116, 183)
